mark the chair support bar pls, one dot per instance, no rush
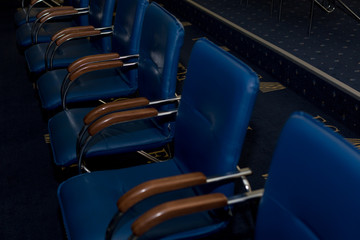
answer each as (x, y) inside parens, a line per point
(242, 172)
(74, 36)
(55, 2)
(120, 117)
(246, 196)
(71, 77)
(245, 181)
(164, 101)
(110, 120)
(30, 8)
(35, 28)
(60, 34)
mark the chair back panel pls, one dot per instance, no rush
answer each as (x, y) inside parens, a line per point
(312, 189)
(83, 19)
(127, 31)
(101, 15)
(215, 108)
(127, 26)
(162, 36)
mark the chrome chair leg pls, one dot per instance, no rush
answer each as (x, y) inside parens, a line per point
(280, 9)
(311, 16)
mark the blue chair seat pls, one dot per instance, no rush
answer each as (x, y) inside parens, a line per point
(103, 84)
(64, 56)
(23, 33)
(104, 197)
(65, 127)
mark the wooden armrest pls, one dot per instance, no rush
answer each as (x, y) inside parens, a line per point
(157, 186)
(53, 9)
(91, 59)
(114, 106)
(177, 208)
(93, 67)
(71, 30)
(57, 14)
(32, 2)
(76, 34)
(118, 117)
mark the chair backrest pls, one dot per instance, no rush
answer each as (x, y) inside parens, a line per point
(161, 39)
(312, 188)
(215, 108)
(127, 26)
(83, 19)
(101, 15)
(127, 31)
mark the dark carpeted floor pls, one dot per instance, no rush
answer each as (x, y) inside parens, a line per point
(28, 208)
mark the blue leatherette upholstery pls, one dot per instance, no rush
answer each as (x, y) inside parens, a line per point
(311, 192)
(218, 95)
(159, 83)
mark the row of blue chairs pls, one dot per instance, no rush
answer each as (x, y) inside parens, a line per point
(191, 195)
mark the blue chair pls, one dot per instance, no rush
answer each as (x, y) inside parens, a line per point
(310, 183)
(310, 193)
(28, 14)
(71, 43)
(156, 80)
(213, 116)
(125, 41)
(97, 13)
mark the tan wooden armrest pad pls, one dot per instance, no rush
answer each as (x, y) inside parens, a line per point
(32, 2)
(90, 59)
(118, 117)
(177, 208)
(53, 9)
(58, 14)
(114, 106)
(76, 34)
(156, 186)
(71, 30)
(94, 67)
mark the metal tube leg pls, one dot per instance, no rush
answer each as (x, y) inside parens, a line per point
(311, 16)
(280, 9)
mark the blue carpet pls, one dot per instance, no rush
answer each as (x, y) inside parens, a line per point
(331, 47)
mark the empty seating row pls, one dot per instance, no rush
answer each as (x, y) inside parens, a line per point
(208, 127)
(308, 195)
